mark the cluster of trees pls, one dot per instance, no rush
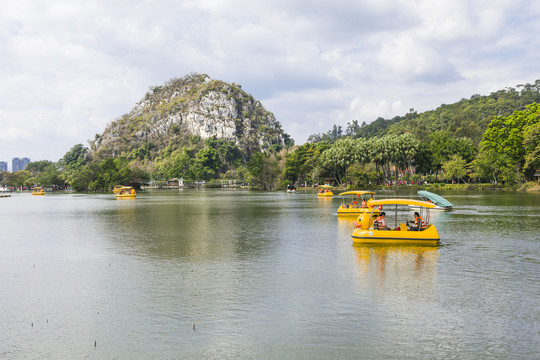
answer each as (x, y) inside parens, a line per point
(37, 172)
(510, 148)
(205, 160)
(376, 160)
(508, 151)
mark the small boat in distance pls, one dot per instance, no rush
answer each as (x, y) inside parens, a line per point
(38, 191)
(125, 192)
(4, 192)
(373, 231)
(358, 204)
(440, 202)
(291, 189)
(325, 191)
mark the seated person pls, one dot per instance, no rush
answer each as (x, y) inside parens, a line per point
(380, 222)
(419, 223)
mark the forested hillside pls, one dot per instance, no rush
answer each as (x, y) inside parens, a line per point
(465, 118)
(492, 138)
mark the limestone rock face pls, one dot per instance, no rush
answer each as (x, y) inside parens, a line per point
(187, 108)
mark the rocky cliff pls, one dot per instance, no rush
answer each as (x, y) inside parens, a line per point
(189, 109)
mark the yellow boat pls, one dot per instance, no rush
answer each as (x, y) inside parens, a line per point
(401, 233)
(354, 208)
(325, 190)
(118, 188)
(125, 192)
(38, 191)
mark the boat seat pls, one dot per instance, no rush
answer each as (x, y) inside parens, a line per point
(410, 227)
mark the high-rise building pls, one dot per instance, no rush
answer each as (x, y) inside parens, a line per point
(19, 164)
(3, 166)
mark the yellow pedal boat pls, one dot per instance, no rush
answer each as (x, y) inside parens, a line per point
(368, 232)
(125, 192)
(355, 208)
(38, 191)
(325, 190)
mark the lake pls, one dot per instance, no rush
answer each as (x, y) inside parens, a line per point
(222, 274)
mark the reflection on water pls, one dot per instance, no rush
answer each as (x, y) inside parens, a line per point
(398, 270)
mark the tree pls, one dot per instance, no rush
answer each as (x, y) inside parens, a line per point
(339, 157)
(17, 179)
(531, 143)
(264, 170)
(44, 173)
(353, 129)
(36, 167)
(71, 165)
(49, 176)
(304, 163)
(360, 175)
(455, 167)
(423, 158)
(504, 140)
(439, 147)
(74, 159)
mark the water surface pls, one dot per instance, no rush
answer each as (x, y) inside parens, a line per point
(261, 275)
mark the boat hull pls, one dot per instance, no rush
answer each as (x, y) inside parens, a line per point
(129, 196)
(428, 237)
(326, 194)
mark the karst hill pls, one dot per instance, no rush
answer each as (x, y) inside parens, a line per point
(187, 110)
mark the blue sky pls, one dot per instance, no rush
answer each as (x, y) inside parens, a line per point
(68, 68)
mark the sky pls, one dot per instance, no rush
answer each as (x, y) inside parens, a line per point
(70, 67)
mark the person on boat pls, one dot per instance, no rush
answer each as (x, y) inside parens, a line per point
(363, 204)
(419, 223)
(354, 203)
(380, 222)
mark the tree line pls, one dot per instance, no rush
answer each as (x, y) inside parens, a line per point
(507, 152)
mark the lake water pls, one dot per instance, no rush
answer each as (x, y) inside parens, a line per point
(263, 275)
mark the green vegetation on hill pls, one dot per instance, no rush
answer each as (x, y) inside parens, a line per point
(465, 118)
(185, 111)
(485, 138)
(494, 138)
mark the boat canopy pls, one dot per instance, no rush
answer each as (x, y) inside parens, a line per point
(437, 199)
(356, 192)
(326, 186)
(373, 203)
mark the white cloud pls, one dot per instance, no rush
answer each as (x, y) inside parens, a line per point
(414, 61)
(67, 68)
